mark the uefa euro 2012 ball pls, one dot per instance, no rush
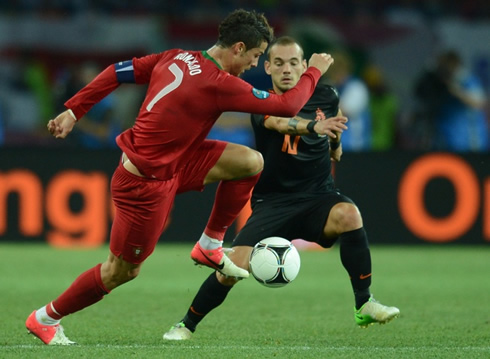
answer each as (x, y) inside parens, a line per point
(275, 262)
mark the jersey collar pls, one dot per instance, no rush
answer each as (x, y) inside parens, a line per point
(206, 55)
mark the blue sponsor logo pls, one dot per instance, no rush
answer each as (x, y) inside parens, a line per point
(260, 94)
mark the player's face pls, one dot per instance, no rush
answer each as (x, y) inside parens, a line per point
(246, 59)
(286, 65)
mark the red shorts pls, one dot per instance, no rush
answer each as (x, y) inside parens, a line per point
(143, 204)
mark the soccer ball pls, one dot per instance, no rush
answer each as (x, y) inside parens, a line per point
(274, 262)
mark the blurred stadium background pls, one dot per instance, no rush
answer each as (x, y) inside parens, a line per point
(409, 190)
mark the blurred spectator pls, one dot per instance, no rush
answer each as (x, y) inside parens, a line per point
(462, 125)
(401, 24)
(26, 100)
(99, 127)
(453, 99)
(401, 11)
(36, 79)
(2, 125)
(384, 107)
(354, 102)
(429, 92)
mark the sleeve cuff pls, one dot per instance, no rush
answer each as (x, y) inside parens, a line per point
(73, 115)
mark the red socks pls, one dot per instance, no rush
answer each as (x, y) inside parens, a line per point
(86, 290)
(231, 197)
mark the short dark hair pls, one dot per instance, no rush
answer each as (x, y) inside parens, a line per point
(284, 41)
(249, 27)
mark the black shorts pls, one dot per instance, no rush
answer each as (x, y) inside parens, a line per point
(291, 216)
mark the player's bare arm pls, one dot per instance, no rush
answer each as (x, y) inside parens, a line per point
(336, 153)
(336, 144)
(338, 134)
(297, 125)
(62, 125)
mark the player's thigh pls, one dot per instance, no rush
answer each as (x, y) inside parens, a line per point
(236, 161)
(343, 217)
(142, 208)
(270, 218)
(193, 176)
(315, 216)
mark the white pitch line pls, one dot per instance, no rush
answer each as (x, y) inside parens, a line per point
(252, 347)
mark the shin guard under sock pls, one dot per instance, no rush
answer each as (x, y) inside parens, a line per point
(231, 197)
(86, 290)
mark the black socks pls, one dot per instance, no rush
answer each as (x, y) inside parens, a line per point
(211, 294)
(356, 259)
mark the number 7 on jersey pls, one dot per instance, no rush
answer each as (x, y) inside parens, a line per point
(177, 72)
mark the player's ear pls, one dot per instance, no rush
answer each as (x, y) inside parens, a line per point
(305, 64)
(267, 67)
(239, 48)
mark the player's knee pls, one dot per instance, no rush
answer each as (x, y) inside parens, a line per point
(115, 272)
(346, 217)
(253, 160)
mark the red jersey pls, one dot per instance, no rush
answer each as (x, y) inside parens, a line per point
(187, 93)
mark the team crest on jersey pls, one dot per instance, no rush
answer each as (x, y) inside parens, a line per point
(260, 94)
(320, 115)
(137, 251)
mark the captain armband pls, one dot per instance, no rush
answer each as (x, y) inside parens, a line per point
(292, 126)
(125, 71)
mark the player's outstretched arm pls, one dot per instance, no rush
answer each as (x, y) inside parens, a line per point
(62, 125)
(297, 125)
(332, 126)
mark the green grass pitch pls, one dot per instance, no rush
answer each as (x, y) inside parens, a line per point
(443, 293)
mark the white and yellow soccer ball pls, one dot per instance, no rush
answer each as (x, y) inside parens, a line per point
(275, 262)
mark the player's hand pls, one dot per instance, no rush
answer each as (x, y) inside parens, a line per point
(336, 154)
(331, 126)
(321, 61)
(62, 125)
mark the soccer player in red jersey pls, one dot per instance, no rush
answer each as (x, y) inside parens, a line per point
(166, 153)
